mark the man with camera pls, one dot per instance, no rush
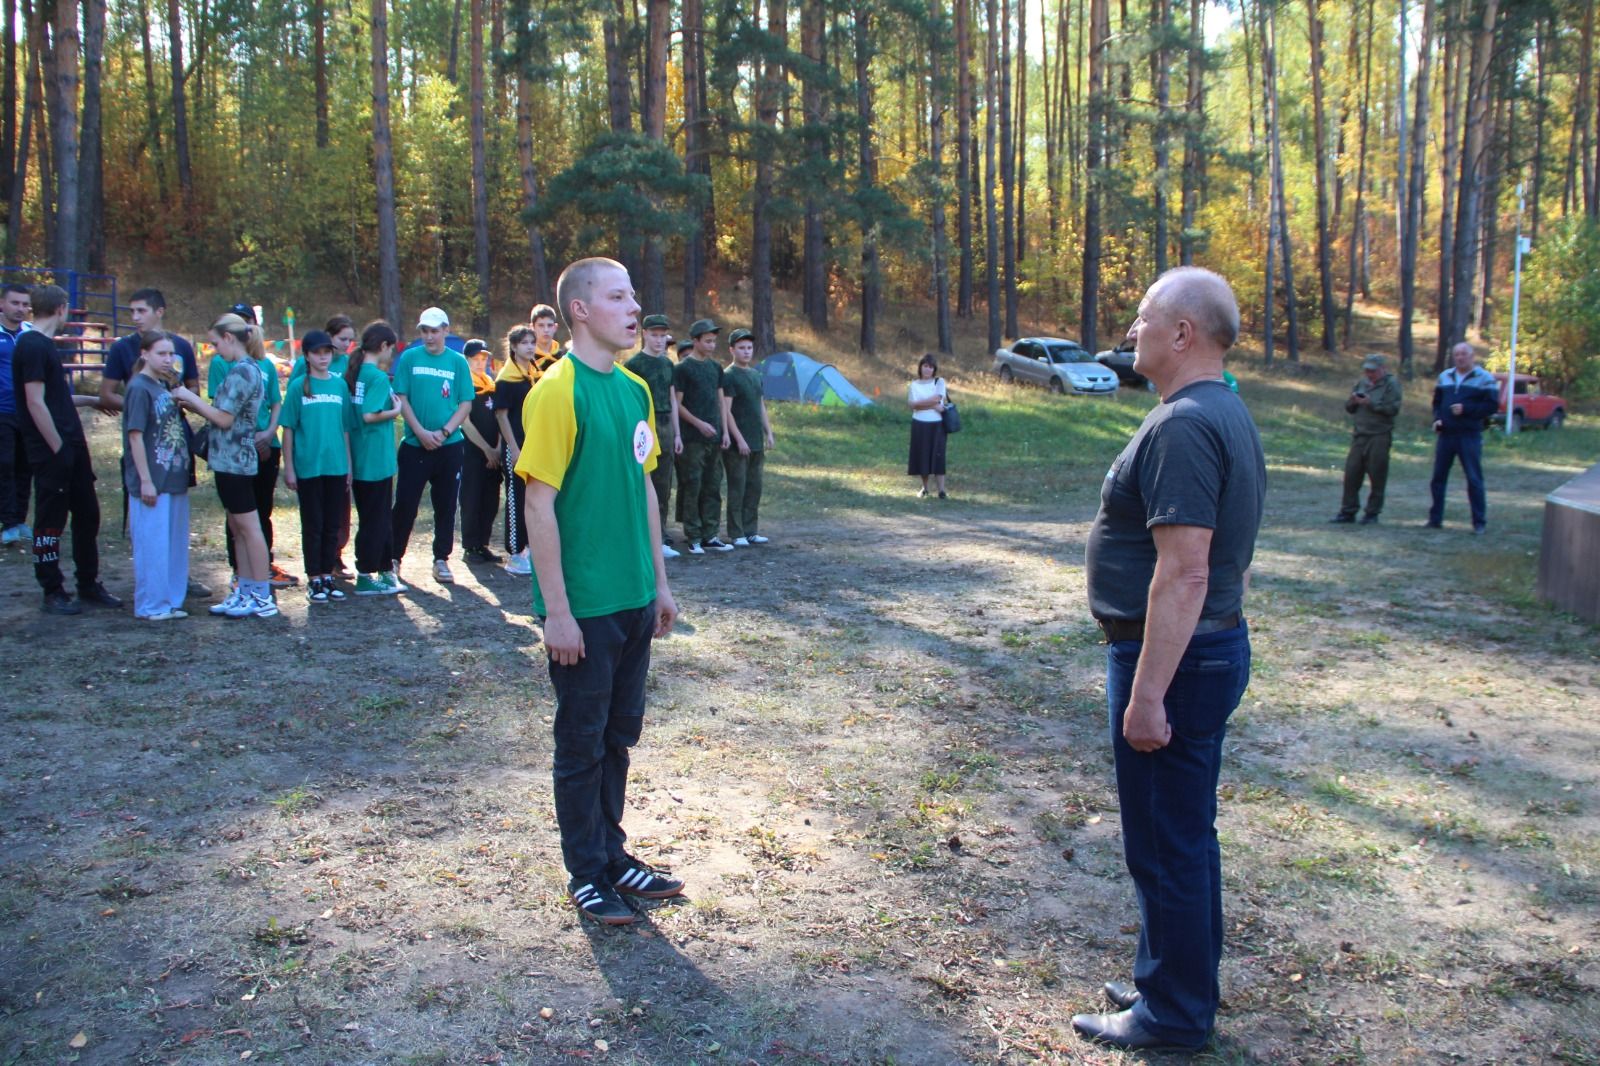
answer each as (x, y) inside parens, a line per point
(1374, 402)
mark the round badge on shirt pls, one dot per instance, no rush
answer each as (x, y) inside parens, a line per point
(644, 439)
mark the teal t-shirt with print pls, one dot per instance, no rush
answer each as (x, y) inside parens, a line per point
(217, 369)
(372, 443)
(434, 385)
(320, 422)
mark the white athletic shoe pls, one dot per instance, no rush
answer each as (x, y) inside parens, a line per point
(669, 552)
(233, 599)
(757, 538)
(441, 572)
(518, 564)
(741, 542)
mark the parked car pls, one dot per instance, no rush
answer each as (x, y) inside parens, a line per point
(1533, 406)
(1059, 365)
(1120, 361)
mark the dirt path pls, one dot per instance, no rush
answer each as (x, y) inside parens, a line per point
(876, 750)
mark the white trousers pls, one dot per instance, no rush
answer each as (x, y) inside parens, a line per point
(160, 553)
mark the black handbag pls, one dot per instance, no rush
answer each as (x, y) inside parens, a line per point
(952, 417)
(199, 442)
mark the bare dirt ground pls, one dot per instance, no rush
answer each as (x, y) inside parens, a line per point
(876, 750)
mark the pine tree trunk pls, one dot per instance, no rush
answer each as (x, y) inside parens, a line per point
(1541, 108)
(992, 245)
(1269, 68)
(815, 248)
(452, 65)
(530, 191)
(1161, 17)
(1410, 235)
(1323, 177)
(1358, 215)
(1268, 293)
(152, 113)
(1480, 88)
(768, 96)
(1094, 161)
(870, 281)
(964, 159)
(319, 60)
(180, 111)
(480, 169)
(1193, 127)
(1583, 109)
(941, 271)
(1450, 160)
(63, 96)
(1020, 126)
(1503, 142)
(19, 176)
(383, 170)
(8, 104)
(91, 147)
(695, 159)
(1008, 233)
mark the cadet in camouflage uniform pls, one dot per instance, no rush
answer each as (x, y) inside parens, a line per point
(1374, 402)
(744, 412)
(655, 366)
(698, 380)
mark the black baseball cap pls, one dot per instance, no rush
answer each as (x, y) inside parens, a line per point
(244, 311)
(474, 346)
(313, 340)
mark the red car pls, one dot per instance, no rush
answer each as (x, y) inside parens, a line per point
(1534, 406)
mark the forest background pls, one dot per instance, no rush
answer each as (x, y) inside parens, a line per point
(1000, 159)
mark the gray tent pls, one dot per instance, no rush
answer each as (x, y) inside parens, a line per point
(796, 377)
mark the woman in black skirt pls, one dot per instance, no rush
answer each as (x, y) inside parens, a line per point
(927, 397)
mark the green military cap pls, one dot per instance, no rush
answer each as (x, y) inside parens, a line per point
(684, 345)
(740, 335)
(1373, 361)
(655, 322)
(704, 325)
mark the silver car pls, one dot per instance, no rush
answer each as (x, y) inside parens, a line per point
(1057, 364)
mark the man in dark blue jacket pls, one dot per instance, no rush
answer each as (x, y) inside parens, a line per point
(1465, 396)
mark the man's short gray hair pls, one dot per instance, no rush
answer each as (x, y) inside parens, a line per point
(1202, 296)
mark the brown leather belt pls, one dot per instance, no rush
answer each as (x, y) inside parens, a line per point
(1114, 629)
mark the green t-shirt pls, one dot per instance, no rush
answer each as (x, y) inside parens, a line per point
(372, 443)
(591, 436)
(218, 369)
(320, 422)
(435, 385)
(656, 371)
(341, 360)
(743, 386)
(699, 385)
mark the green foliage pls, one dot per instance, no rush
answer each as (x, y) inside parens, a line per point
(1561, 307)
(623, 184)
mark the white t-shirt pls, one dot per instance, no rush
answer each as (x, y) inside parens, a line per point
(921, 391)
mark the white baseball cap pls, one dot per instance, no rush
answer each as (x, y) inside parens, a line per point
(434, 318)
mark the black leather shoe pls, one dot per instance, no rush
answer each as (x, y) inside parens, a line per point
(1124, 1030)
(58, 602)
(1369, 519)
(96, 595)
(1341, 519)
(1122, 994)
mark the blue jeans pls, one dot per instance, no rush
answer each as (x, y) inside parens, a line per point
(1469, 446)
(599, 715)
(1169, 813)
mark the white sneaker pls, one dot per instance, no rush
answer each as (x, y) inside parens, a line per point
(441, 572)
(243, 606)
(716, 544)
(695, 549)
(518, 564)
(164, 616)
(757, 538)
(741, 542)
(262, 607)
(669, 552)
(228, 605)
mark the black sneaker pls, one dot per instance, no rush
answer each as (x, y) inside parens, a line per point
(58, 602)
(483, 555)
(1369, 520)
(1341, 519)
(599, 902)
(97, 596)
(635, 878)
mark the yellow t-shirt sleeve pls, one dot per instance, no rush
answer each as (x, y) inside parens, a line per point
(550, 430)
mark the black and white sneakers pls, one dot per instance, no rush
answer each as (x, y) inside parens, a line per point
(599, 902)
(634, 877)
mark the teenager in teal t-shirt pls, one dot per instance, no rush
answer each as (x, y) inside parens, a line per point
(435, 389)
(372, 458)
(316, 421)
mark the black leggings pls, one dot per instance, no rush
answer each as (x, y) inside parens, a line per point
(375, 525)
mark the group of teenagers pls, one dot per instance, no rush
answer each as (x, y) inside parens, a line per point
(329, 435)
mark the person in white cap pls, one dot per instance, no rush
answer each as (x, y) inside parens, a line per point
(434, 384)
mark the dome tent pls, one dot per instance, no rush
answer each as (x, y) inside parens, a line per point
(796, 377)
